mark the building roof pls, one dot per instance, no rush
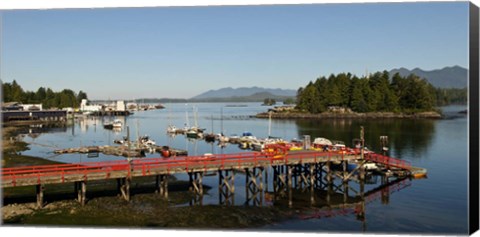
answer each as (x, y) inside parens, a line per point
(10, 104)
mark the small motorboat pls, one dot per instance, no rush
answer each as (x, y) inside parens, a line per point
(117, 123)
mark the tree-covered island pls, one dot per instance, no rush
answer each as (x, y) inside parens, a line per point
(377, 95)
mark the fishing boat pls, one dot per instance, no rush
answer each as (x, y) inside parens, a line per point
(117, 123)
(172, 129)
(234, 139)
(145, 140)
(194, 132)
(257, 144)
(321, 143)
(246, 140)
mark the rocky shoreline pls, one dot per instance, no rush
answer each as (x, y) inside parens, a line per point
(353, 115)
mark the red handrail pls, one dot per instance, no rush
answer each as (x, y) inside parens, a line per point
(146, 165)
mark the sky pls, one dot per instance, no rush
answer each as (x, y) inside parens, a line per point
(180, 52)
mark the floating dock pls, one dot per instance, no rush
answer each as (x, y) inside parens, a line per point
(123, 150)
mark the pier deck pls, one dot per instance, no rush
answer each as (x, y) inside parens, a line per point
(306, 167)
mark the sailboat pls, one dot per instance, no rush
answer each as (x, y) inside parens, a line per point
(194, 131)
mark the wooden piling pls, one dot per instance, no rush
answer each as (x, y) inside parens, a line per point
(81, 188)
(40, 188)
(125, 188)
(196, 183)
(161, 182)
(290, 191)
(312, 184)
(226, 187)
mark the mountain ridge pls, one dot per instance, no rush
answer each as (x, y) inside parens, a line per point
(447, 77)
(228, 92)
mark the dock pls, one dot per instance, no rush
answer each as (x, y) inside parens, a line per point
(133, 151)
(295, 169)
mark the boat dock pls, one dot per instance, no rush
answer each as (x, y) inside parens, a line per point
(133, 151)
(304, 169)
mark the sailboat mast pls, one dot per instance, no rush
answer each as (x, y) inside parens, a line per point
(269, 123)
(195, 116)
(212, 123)
(221, 121)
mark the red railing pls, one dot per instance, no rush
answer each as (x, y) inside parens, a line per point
(389, 161)
(149, 165)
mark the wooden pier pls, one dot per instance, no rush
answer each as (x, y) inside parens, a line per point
(301, 169)
(42, 116)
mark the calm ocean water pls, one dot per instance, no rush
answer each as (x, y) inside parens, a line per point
(437, 204)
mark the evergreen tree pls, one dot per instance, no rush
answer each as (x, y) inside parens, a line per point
(7, 92)
(81, 95)
(17, 92)
(41, 94)
(357, 101)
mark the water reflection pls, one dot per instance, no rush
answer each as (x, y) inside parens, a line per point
(322, 200)
(403, 134)
(34, 131)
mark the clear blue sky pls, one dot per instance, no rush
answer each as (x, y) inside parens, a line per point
(180, 52)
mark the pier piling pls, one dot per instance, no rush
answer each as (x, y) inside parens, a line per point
(124, 184)
(226, 188)
(161, 184)
(40, 188)
(254, 185)
(81, 191)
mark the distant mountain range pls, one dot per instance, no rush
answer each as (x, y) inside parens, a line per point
(254, 92)
(447, 77)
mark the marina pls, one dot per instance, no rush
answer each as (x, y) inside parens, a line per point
(249, 176)
(284, 118)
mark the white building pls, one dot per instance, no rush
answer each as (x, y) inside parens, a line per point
(121, 105)
(85, 107)
(32, 107)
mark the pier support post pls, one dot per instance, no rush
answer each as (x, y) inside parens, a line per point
(161, 184)
(196, 180)
(196, 186)
(295, 172)
(290, 191)
(306, 176)
(279, 179)
(40, 188)
(329, 172)
(362, 172)
(266, 179)
(345, 191)
(329, 184)
(254, 186)
(312, 184)
(318, 175)
(385, 193)
(81, 190)
(226, 187)
(124, 186)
